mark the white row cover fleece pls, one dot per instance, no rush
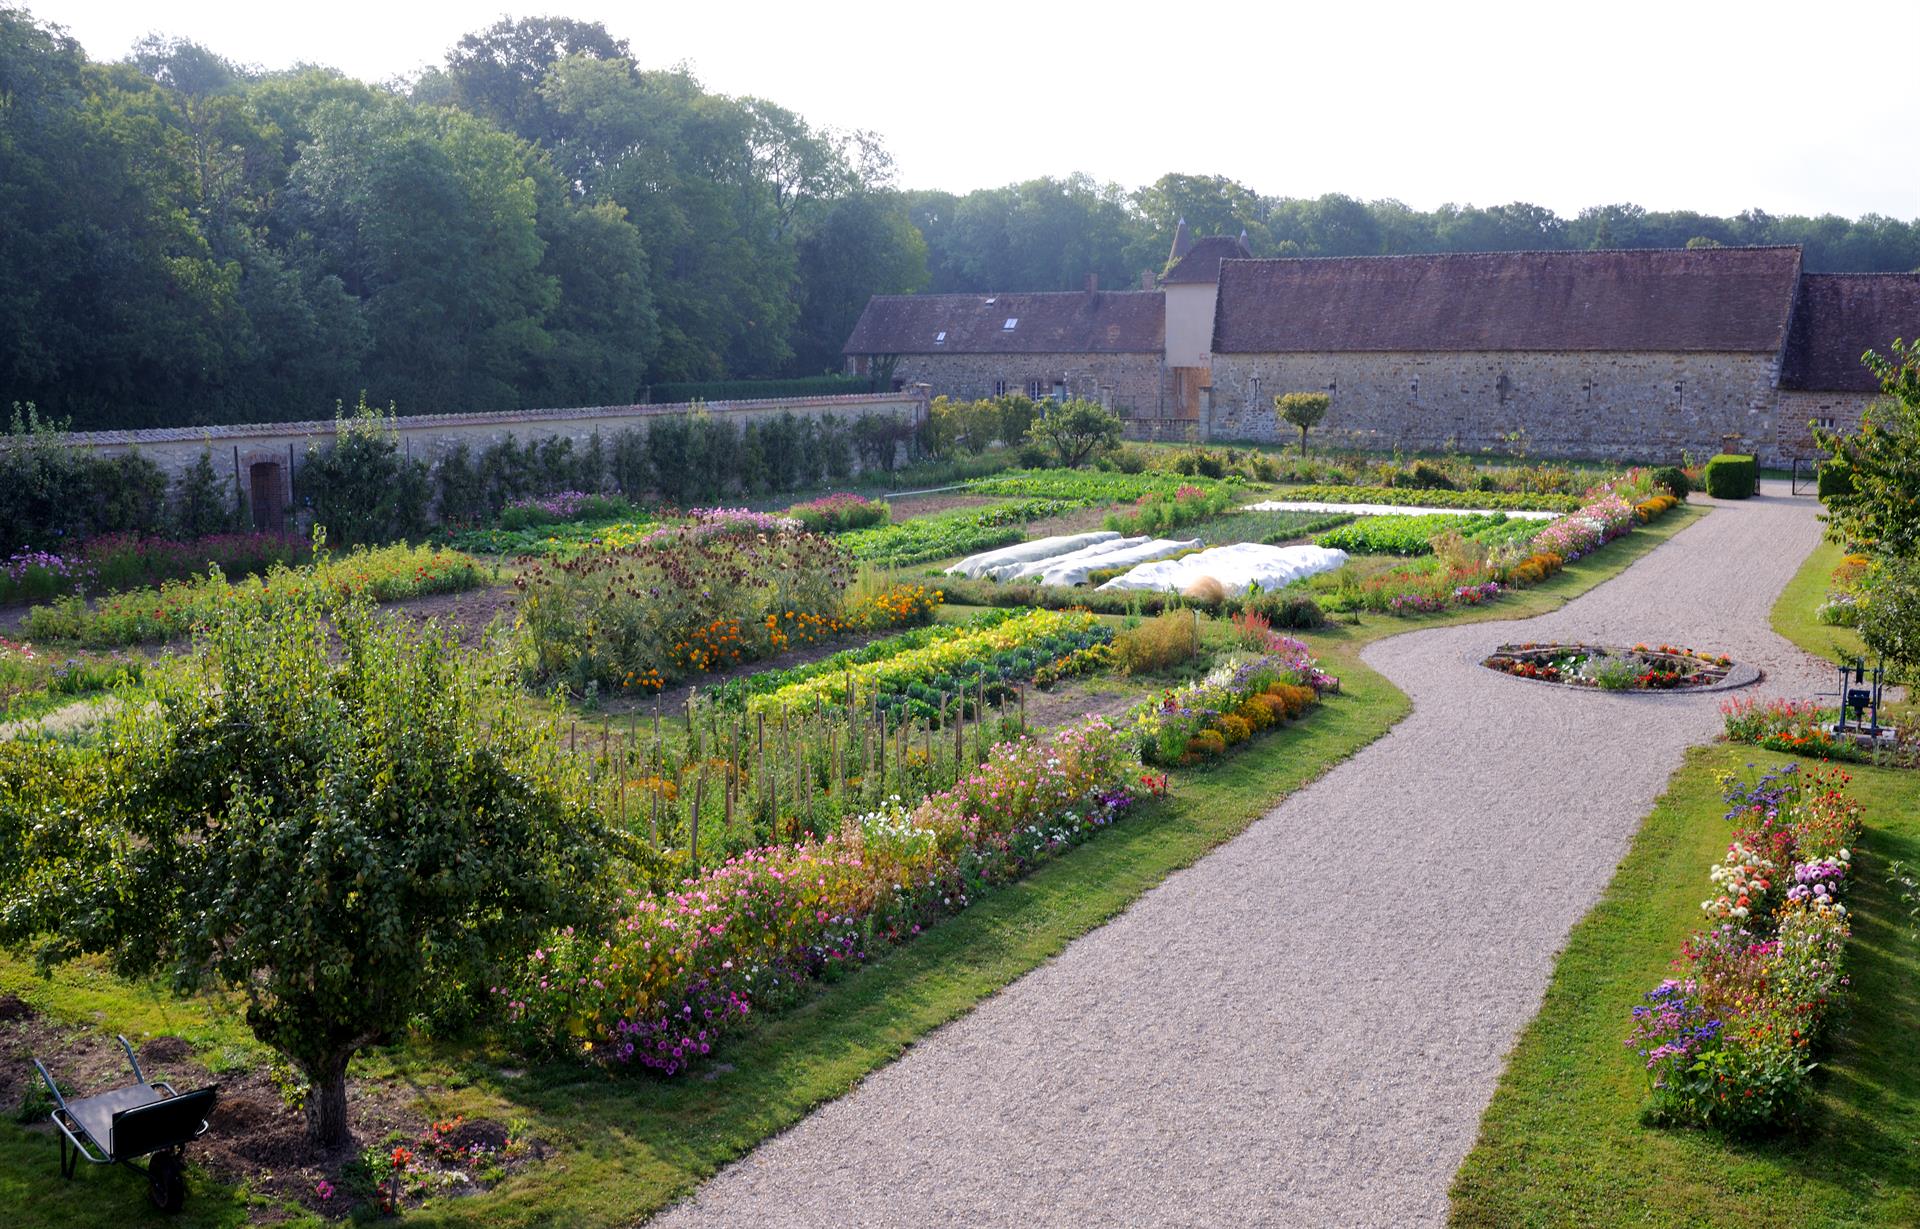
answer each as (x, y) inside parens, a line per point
(1237, 568)
(1073, 569)
(986, 562)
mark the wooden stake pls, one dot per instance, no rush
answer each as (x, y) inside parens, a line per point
(699, 796)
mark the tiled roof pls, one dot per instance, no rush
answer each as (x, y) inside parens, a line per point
(1725, 300)
(1058, 322)
(1841, 316)
(1201, 264)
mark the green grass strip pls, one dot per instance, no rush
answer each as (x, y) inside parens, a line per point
(1562, 1144)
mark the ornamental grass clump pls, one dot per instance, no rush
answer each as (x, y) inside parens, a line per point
(687, 964)
(731, 586)
(1159, 643)
(1732, 1043)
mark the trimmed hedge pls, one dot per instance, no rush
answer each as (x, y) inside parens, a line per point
(1730, 476)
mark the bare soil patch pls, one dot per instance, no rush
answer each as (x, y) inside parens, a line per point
(907, 507)
(255, 1137)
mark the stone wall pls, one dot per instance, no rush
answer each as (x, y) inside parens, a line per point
(1793, 438)
(1609, 406)
(1124, 382)
(239, 449)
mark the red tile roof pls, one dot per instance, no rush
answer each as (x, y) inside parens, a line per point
(1724, 300)
(1060, 322)
(1202, 261)
(1841, 316)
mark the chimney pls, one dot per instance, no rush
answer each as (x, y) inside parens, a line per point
(1146, 279)
(1093, 283)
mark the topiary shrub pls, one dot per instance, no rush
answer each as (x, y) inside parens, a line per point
(1674, 479)
(1731, 476)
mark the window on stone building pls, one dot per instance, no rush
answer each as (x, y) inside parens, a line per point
(1824, 423)
(999, 388)
(1036, 389)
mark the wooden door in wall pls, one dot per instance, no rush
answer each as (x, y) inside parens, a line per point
(269, 506)
(1187, 383)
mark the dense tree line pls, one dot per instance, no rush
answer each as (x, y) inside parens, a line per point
(541, 220)
(1048, 234)
(538, 222)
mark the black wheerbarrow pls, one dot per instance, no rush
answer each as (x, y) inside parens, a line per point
(122, 1125)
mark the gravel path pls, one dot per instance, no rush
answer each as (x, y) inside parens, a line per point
(1304, 1027)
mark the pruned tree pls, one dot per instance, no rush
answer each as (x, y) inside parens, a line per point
(1874, 506)
(347, 842)
(1303, 410)
(1077, 430)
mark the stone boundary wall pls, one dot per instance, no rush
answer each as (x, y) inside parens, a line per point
(428, 437)
(1598, 406)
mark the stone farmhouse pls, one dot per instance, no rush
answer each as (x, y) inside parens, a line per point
(1638, 355)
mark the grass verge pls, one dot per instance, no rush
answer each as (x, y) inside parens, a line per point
(626, 1146)
(1562, 1144)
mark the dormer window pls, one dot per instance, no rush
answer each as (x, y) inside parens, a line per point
(1008, 326)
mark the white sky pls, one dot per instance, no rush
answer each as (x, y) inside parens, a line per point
(1683, 104)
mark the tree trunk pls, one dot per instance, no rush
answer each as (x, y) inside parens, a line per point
(327, 1100)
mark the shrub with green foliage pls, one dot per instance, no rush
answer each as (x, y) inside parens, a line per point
(345, 821)
(53, 494)
(1286, 611)
(1877, 508)
(1076, 431)
(362, 489)
(1834, 480)
(1673, 480)
(1731, 476)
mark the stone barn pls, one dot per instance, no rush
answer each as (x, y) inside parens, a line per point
(1104, 345)
(1629, 355)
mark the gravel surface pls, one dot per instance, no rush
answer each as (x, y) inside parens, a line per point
(1304, 1027)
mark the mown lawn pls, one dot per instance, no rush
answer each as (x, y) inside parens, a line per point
(1793, 613)
(1562, 1144)
(626, 1145)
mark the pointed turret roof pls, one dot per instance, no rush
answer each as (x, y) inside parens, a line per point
(1182, 242)
(1202, 261)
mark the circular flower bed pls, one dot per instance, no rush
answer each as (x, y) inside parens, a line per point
(1602, 667)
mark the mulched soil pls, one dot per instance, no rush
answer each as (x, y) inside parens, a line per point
(908, 507)
(465, 615)
(253, 1137)
(1076, 700)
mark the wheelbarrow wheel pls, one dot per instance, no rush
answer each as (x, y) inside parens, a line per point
(167, 1181)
